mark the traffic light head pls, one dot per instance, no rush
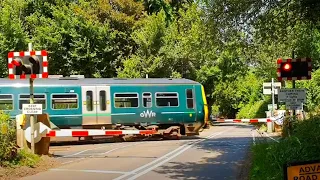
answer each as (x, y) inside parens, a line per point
(294, 69)
(28, 64)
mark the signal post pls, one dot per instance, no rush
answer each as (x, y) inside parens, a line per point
(292, 70)
(295, 69)
(29, 65)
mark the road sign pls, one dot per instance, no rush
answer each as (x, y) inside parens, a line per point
(28, 64)
(40, 130)
(302, 170)
(294, 105)
(292, 95)
(270, 106)
(267, 87)
(32, 108)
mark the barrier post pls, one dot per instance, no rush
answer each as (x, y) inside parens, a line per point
(270, 125)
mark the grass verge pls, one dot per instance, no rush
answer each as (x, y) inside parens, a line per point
(303, 144)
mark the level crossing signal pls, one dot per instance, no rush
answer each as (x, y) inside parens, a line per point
(294, 69)
(28, 64)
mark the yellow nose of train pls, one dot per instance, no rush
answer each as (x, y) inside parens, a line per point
(206, 110)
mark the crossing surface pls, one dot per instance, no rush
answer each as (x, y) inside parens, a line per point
(216, 154)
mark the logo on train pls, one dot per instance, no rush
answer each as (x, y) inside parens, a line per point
(147, 114)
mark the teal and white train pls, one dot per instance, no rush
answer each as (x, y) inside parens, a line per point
(112, 103)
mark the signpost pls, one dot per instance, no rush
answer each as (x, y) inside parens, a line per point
(271, 88)
(267, 88)
(294, 98)
(29, 65)
(32, 109)
(296, 69)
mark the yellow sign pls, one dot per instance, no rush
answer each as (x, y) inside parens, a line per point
(307, 171)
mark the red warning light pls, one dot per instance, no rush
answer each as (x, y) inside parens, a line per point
(287, 67)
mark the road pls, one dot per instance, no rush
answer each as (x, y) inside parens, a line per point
(216, 154)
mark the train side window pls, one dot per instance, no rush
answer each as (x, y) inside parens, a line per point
(38, 99)
(89, 100)
(147, 100)
(126, 100)
(6, 102)
(64, 101)
(189, 94)
(102, 100)
(167, 99)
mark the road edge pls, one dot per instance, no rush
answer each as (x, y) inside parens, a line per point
(245, 166)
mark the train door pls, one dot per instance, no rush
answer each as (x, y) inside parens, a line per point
(147, 114)
(190, 105)
(103, 105)
(96, 105)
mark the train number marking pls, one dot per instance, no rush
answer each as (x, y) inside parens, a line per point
(147, 114)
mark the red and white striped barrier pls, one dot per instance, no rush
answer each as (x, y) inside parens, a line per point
(95, 132)
(41, 130)
(244, 120)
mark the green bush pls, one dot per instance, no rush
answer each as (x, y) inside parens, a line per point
(8, 148)
(302, 145)
(254, 110)
(10, 155)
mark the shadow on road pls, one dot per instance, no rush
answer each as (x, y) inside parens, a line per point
(217, 158)
(224, 160)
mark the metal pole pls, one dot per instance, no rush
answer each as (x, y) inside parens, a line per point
(302, 111)
(293, 85)
(272, 94)
(31, 116)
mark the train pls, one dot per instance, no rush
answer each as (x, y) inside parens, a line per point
(171, 106)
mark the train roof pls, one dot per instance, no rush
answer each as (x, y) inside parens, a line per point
(95, 81)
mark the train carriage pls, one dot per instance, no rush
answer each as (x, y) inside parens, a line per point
(112, 103)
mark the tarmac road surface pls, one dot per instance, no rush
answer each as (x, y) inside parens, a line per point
(216, 154)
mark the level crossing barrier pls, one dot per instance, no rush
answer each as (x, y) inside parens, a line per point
(244, 120)
(277, 119)
(270, 121)
(95, 132)
(45, 131)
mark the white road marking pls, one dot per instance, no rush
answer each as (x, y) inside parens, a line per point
(261, 134)
(152, 162)
(271, 137)
(166, 158)
(70, 155)
(254, 139)
(121, 147)
(71, 161)
(92, 171)
(111, 150)
(99, 147)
